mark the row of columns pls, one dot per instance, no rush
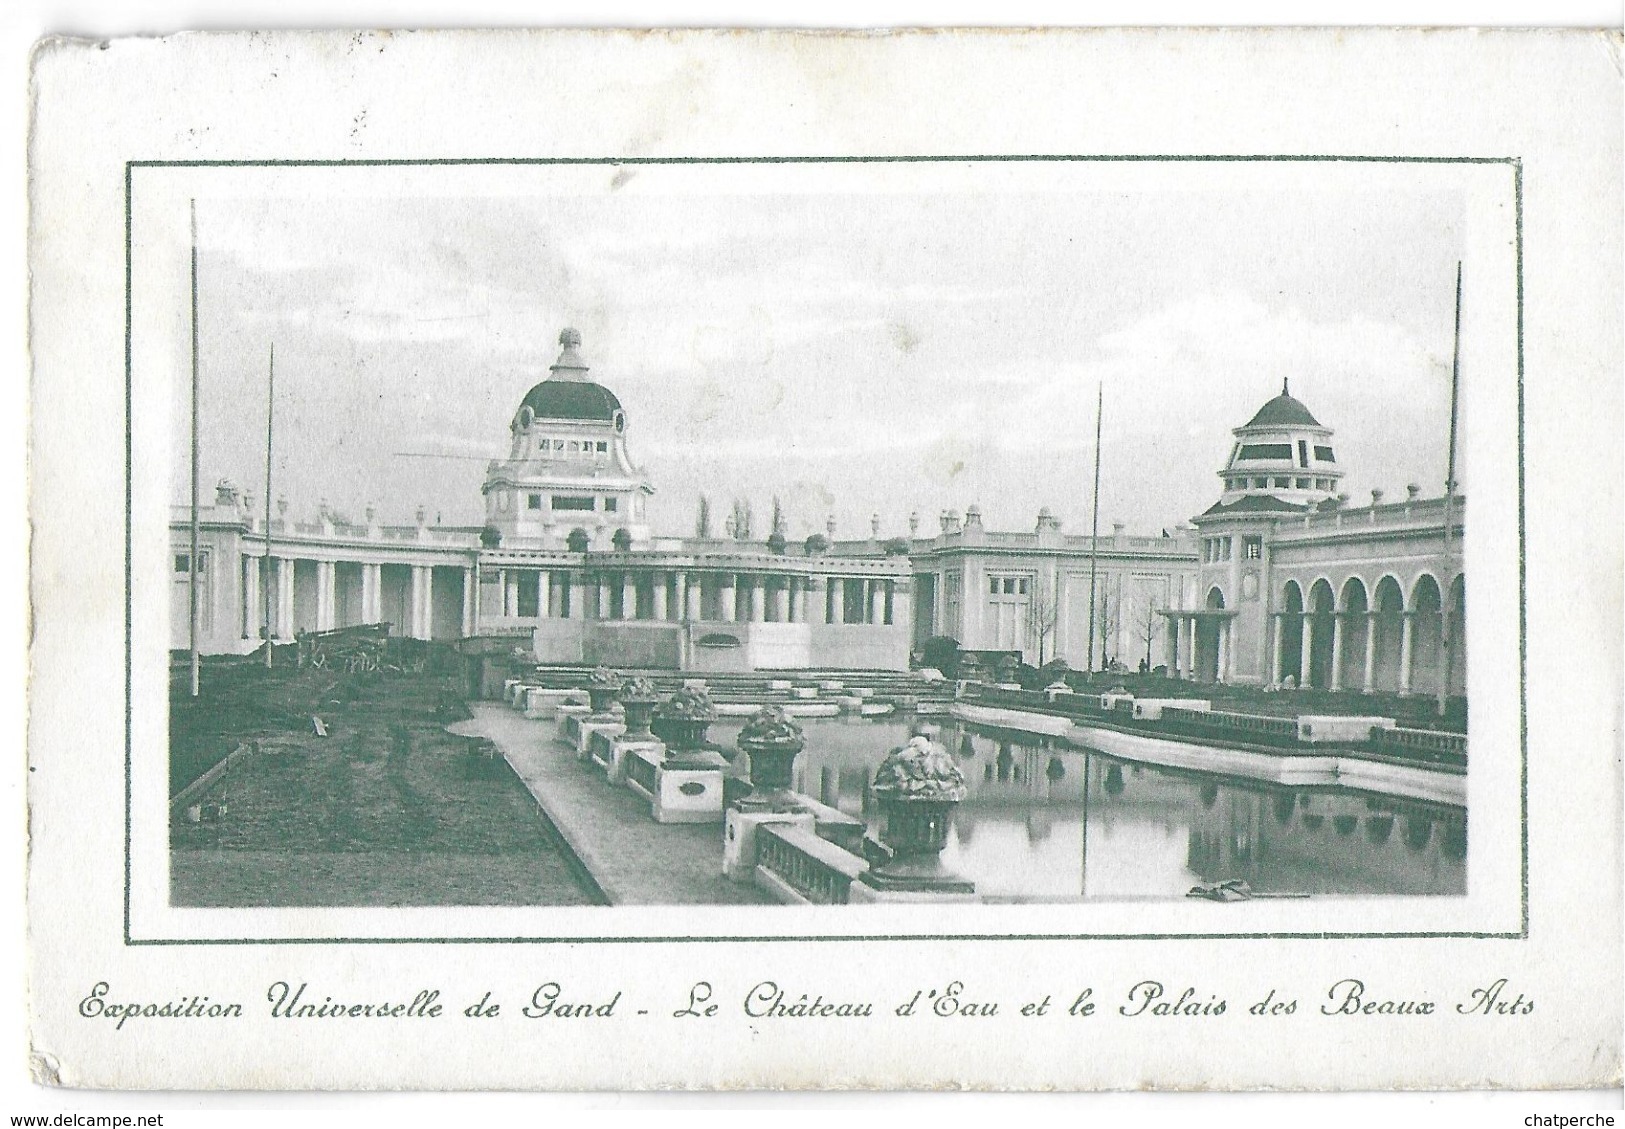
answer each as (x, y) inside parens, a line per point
(1180, 643)
(1368, 669)
(677, 595)
(420, 607)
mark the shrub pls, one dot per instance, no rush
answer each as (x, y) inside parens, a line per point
(942, 652)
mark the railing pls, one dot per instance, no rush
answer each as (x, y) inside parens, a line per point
(1280, 731)
(815, 869)
(642, 772)
(1443, 748)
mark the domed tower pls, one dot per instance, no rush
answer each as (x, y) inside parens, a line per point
(1282, 452)
(1281, 465)
(567, 467)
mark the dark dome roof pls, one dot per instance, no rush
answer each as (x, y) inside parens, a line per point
(571, 399)
(1283, 411)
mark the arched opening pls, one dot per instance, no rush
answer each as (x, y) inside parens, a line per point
(1322, 605)
(1458, 635)
(1387, 627)
(1290, 660)
(1207, 639)
(1356, 628)
(1427, 656)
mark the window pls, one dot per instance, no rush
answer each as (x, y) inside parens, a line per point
(1282, 483)
(1260, 483)
(1266, 451)
(603, 448)
(993, 586)
(564, 502)
(1252, 548)
(558, 445)
(610, 505)
(1303, 453)
(1323, 484)
(183, 563)
(575, 447)
(534, 502)
(1323, 454)
(1302, 483)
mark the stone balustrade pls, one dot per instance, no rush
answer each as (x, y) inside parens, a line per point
(799, 867)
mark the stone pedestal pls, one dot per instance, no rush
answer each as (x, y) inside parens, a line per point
(689, 795)
(623, 747)
(587, 729)
(676, 795)
(739, 838)
(540, 702)
(569, 717)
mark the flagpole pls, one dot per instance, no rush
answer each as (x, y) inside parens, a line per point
(270, 415)
(1094, 529)
(192, 558)
(1449, 513)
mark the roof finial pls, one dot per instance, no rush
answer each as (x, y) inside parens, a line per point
(569, 366)
(1284, 391)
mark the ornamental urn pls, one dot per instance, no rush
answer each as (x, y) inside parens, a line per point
(681, 721)
(639, 697)
(603, 685)
(918, 786)
(771, 741)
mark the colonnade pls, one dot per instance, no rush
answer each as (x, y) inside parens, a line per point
(679, 595)
(1341, 650)
(289, 611)
(1180, 644)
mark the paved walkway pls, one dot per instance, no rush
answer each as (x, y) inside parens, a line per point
(634, 860)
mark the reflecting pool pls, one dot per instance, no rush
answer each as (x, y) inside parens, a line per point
(1045, 820)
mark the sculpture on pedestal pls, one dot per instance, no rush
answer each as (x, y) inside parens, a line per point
(771, 741)
(917, 786)
(603, 685)
(639, 698)
(681, 722)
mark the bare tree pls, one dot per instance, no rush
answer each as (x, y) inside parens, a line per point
(1108, 619)
(1043, 613)
(1148, 626)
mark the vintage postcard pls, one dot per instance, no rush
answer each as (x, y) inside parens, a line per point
(789, 560)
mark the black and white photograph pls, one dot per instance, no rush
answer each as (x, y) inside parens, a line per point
(745, 535)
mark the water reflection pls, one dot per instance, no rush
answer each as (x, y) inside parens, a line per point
(1046, 820)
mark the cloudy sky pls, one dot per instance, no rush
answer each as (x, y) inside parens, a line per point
(852, 353)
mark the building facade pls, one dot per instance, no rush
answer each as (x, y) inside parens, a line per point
(1279, 581)
(1297, 587)
(1093, 602)
(565, 560)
